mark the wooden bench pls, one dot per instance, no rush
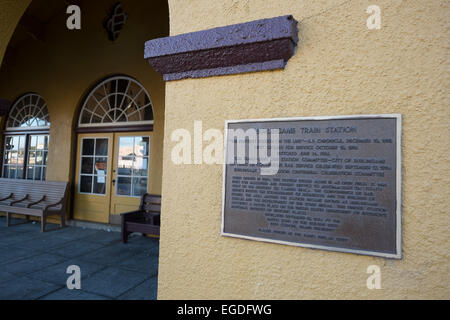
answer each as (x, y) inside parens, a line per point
(146, 220)
(33, 198)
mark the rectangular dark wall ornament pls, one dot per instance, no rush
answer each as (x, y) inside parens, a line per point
(260, 45)
(337, 185)
(5, 105)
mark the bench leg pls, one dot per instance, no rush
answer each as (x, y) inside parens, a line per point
(8, 219)
(62, 220)
(125, 235)
(43, 223)
(123, 230)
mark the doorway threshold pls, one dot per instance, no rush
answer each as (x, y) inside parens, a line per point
(94, 225)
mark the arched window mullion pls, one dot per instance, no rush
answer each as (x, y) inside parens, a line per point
(99, 103)
(107, 99)
(26, 113)
(121, 104)
(138, 110)
(125, 94)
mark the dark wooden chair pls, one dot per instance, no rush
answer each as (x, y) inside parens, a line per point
(146, 220)
(33, 198)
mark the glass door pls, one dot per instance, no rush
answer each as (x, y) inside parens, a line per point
(131, 171)
(93, 177)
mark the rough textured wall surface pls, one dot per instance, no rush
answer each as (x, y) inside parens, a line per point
(340, 68)
(10, 14)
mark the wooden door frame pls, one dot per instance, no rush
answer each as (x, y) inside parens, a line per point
(93, 130)
(114, 218)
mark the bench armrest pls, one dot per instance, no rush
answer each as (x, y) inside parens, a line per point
(19, 201)
(132, 213)
(127, 216)
(37, 202)
(9, 197)
(152, 216)
(54, 204)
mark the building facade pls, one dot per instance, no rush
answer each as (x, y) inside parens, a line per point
(68, 89)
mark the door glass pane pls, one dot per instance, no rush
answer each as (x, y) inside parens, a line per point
(126, 146)
(99, 185)
(125, 167)
(124, 186)
(101, 147)
(133, 166)
(140, 167)
(139, 187)
(101, 165)
(88, 147)
(141, 146)
(87, 165)
(86, 184)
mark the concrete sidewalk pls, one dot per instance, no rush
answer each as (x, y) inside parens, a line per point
(33, 264)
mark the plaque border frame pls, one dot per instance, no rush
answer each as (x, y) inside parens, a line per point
(397, 255)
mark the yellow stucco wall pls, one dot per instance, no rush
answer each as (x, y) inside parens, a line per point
(340, 68)
(69, 63)
(10, 13)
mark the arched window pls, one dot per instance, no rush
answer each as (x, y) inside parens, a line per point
(29, 111)
(26, 139)
(117, 101)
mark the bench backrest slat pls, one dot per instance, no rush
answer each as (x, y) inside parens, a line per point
(151, 203)
(52, 190)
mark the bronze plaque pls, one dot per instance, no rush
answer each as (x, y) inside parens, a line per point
(328, 183)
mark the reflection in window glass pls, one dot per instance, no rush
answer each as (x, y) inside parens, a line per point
(14, 157)
(124, 186)
(101, 147)
(139, 186)
(132, 166)
(37, 157)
